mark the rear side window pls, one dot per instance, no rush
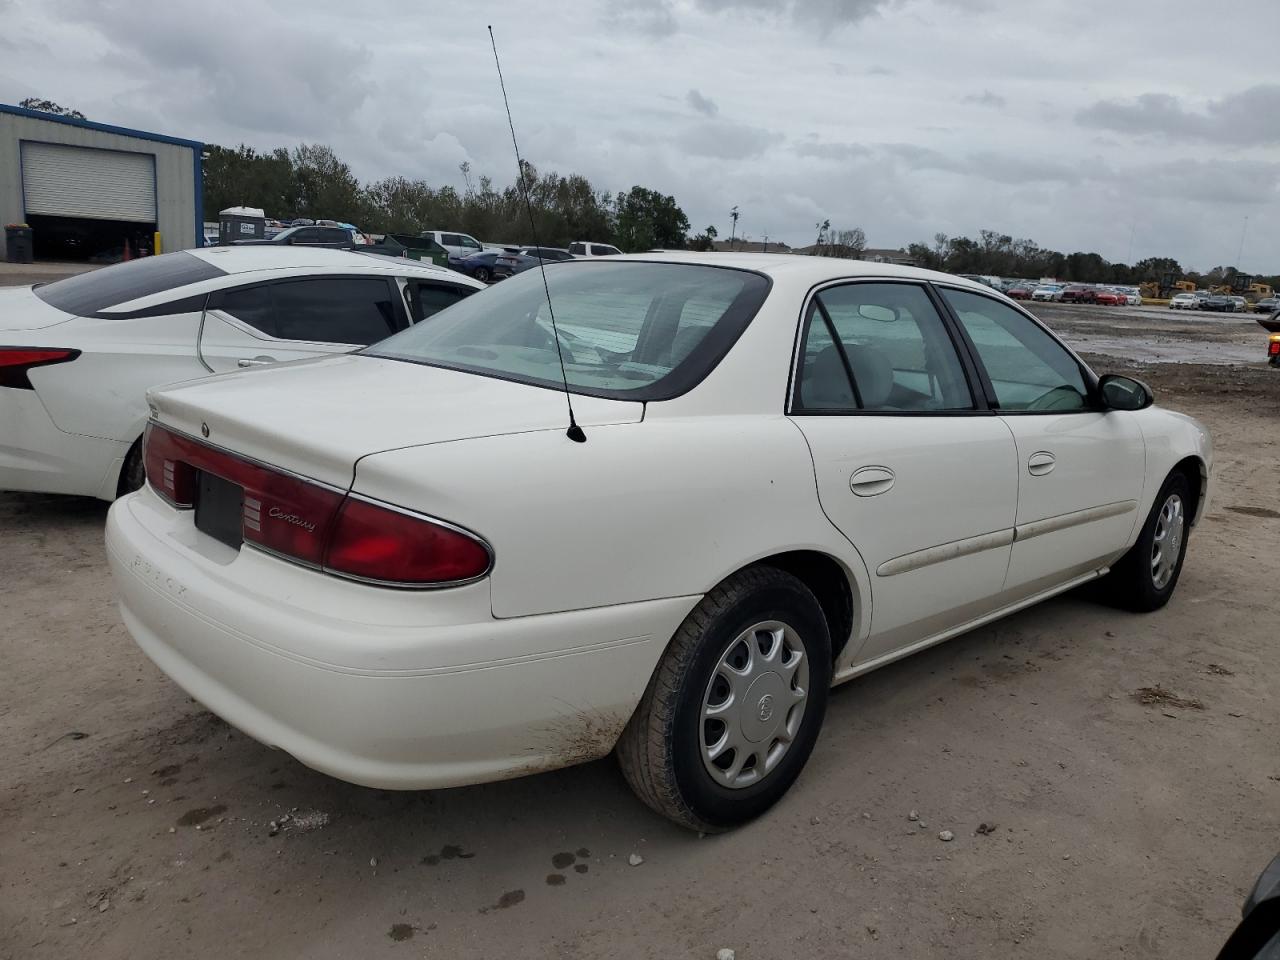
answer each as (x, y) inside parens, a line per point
(451, 240)
(428, 299)
(628, 330)
(88, 294)
(355, 310)
(879, 347)
(578, 249)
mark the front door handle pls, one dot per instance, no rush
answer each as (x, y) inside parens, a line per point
(1038, 464)
(259, 361)
(871, 481)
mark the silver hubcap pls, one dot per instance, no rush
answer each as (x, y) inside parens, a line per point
(1167, 545)
(754, 703)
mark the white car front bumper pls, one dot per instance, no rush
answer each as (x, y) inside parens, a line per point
(386, 688)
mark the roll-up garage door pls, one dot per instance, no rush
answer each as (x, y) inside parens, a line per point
(65, 181)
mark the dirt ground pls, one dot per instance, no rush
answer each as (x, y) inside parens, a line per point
(1112, 781)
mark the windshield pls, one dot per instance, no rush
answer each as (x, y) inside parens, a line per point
(628, 330)
(87, 294)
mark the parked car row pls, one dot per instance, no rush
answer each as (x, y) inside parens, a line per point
(1116, 296)
(1215, 302)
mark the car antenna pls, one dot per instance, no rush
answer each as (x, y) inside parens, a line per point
(574, 432)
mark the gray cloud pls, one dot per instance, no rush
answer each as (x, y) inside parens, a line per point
(986, 99)
(1248, 118)
(824, 108)
(704, 105)
(723, 139)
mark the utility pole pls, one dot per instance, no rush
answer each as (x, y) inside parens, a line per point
(733, 215)
(766, 244)
(1240, 252)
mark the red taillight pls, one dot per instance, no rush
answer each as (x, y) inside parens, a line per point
(375, 543)
(1274, 349)
(320, 526)
(167, 470)
(17, 362)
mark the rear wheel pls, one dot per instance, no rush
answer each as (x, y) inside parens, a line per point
(482, 274)
(734, 708)
(132, 474)
(1144, 579)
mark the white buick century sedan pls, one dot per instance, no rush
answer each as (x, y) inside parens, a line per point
(400, 566)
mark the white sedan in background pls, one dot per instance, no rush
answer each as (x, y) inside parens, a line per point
(78, 355)
(401, 568)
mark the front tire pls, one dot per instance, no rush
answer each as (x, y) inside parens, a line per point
(1144, 579)
(734, 708)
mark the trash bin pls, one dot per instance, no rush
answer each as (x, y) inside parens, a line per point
(17, 243)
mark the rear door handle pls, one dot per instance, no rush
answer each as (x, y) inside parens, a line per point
(259, 361)
(871, 481)
(1040, 463)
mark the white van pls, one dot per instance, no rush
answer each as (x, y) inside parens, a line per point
(581, 249)
(459, 244)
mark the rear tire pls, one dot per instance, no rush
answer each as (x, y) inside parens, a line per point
(756, 651)
(133, 474)
(482, 274)
(1144, 579)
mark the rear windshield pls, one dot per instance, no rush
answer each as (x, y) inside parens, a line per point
(628, 330)
(87, 294)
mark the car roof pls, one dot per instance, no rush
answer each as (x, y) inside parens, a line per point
(800, 267)
(249, 259)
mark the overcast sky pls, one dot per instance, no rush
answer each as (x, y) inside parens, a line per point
(1135, 128)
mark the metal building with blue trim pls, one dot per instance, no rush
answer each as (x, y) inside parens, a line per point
(90, 190)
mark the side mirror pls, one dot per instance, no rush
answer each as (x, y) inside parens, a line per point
(1124, 393)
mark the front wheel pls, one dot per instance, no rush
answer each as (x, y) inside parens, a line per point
(733, 709)
(1144, 579)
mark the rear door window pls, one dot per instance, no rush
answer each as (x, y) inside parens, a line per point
(249, 305)
(88, 294)
(879, 347)
(359, 310)
(578, 249)
(355, 310)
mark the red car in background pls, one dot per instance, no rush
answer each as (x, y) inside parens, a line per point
(1020, 291)
(1079, 293)
(1110, 298)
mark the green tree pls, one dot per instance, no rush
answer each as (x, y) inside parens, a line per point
(242, 177)
(647, 219)
(706, 240)
(324, 186)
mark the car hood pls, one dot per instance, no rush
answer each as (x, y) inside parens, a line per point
(21, 309)
(318, 417)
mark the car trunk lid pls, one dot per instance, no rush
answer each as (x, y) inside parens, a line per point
(318, 417)
(21, 309)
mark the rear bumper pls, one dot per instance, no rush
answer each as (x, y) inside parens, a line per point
(37, 457)
(390, 689)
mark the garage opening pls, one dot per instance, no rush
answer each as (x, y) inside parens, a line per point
(88, 204)
(93, 241)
